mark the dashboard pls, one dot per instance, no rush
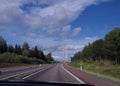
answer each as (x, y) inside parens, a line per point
(7, 83)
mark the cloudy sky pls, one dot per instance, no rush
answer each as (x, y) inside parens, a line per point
(57, 26)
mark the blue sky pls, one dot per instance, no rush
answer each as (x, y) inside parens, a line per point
(57, 26)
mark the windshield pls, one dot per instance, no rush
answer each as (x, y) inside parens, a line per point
(65, 41)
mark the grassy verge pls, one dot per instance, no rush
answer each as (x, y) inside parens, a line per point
(105, 69)
(6, 65)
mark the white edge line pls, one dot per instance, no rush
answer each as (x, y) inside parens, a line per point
(82, 82)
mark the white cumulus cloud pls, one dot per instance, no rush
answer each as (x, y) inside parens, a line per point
(48, 16)
(42, 14)
(76, 30)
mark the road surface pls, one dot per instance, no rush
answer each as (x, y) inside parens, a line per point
(47, 73)
(54, 73)
(57, 73)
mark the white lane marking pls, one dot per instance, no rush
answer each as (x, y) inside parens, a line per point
(82, 82)
(13, 75)
(19, 74)
(31, 74)
(9, 77)
(35, 73)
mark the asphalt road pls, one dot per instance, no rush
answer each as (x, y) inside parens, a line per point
(53, 73)
(56, 73)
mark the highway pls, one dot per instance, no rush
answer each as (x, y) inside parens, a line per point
(56, 73)
(47, 73)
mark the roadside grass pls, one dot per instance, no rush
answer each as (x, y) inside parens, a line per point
(6, 65)
(105, 69)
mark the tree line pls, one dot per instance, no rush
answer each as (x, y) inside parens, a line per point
(22, 54)
(107, 48)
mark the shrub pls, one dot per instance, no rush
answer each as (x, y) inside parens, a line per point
(6, 57)
(13, 58)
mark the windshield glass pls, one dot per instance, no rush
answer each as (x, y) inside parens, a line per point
(65, 41)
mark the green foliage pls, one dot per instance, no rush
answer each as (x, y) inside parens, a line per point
(26, 52)
(42, 56)
(5, 65)
(36, 52)
(98, 50)
(87, 53)
(77, 57)
(3, 45)
(102, 49)
(18, 49)
(103, 67)
(49, 57)
(112, 44)
(18, 54)
(13, 58)
(25, 46)
(10, 49)
(6, 57)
